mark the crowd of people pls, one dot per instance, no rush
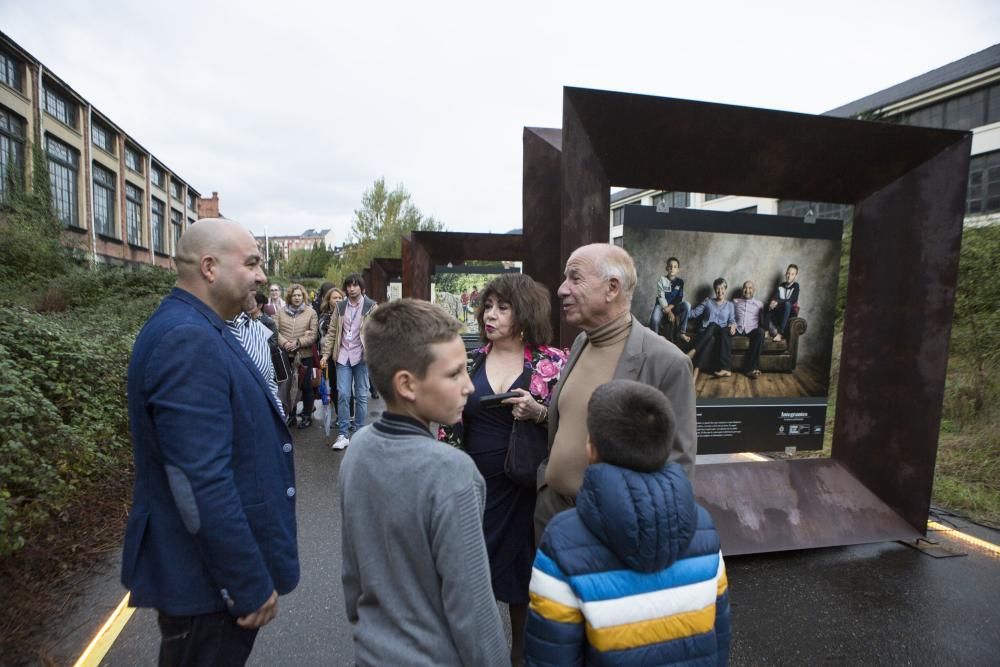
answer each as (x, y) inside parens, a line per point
(718, 319)
(604, 557)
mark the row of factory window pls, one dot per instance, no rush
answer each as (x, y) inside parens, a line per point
(63, 108)
(63, 165)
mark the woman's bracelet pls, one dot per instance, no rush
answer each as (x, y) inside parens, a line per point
(542, 416)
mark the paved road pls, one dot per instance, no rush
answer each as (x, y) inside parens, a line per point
(311, 628)
(865, 605)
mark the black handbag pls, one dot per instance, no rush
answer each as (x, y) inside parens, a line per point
(527, 448)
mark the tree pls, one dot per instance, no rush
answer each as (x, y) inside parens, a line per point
(273, 258)
(384, 218)
(308, 263)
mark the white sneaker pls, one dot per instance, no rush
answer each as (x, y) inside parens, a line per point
(341, 443)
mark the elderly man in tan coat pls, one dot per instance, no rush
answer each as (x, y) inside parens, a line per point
(597, 297)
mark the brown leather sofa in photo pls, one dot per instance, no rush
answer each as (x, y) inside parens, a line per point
(775, 357)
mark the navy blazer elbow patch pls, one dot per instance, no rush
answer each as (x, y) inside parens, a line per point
(180, 487)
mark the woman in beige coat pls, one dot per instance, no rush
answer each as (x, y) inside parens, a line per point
(296, 335)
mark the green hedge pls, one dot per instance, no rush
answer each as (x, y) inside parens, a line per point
(62, 386)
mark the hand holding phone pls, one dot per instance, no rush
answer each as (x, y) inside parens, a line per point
(496, 400)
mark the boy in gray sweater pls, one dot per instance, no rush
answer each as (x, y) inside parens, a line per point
(415, 571)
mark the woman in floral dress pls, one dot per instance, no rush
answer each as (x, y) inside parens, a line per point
(513, 316)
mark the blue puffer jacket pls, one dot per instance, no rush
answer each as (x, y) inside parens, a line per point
(632, 576)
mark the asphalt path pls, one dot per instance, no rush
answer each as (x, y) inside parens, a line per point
(311, 627)
(877, 604)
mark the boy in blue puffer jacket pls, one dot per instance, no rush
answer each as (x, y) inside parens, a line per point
(633, 575)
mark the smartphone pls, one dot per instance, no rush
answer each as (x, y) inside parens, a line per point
(495, 400)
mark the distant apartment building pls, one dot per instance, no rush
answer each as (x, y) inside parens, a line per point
(307, 240)
(962, 95)
(118, 202)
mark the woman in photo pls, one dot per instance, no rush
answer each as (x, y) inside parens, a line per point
(713, 347)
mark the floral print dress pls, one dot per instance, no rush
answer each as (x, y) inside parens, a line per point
(484, 434)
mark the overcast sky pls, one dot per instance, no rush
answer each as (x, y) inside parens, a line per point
(290, 110)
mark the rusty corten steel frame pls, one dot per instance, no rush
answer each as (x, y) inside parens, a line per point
(366, 275)
(381, 272)
(422, 251)
(540, 206)
(907, 186)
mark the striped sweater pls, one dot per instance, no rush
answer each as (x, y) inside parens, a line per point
(633, 575)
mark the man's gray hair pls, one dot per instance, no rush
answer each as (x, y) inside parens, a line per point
(617, 263)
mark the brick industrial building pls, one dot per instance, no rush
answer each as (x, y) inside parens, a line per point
(118, 203)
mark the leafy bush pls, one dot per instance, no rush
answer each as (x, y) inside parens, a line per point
(62, 384)
(29, 230)
(973, 391)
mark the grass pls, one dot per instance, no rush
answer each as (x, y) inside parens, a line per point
(967, 477)
(967, 472)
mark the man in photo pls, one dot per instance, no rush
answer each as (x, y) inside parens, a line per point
(749, 314)
(784, 303)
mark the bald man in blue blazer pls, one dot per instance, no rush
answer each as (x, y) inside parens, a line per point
(210, 541)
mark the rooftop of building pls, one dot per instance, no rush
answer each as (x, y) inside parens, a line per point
(981, 61)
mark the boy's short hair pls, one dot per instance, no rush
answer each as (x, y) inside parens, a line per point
(398, 337)
(631, 425)
(354, 279)
(793, 266)
(672, 259)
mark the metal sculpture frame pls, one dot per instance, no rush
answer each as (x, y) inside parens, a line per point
(907, 186)
(380, 274)
(422, 251)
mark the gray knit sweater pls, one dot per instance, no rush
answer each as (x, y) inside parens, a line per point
(415, 571)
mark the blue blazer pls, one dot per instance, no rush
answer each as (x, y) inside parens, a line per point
(212, 525)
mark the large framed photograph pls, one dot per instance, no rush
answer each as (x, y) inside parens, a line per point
(752, 300)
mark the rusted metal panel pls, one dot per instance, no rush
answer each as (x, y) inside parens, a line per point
(422, 251)
(907, 185)
(800, 504)
(897, 324)
(540, 209)
(383, 271)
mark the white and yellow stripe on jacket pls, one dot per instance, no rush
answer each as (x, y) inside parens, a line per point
(624, 609)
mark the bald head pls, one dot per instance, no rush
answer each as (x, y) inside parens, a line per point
(209, 236)
(600, 280)
(612, 262)
(218, 261)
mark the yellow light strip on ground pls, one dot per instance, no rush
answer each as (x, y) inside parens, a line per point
(988, 547)
(106, 636)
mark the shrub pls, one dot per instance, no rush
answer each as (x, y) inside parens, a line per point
(29, 242)
(62, 384)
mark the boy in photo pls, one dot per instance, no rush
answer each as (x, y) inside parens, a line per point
(670, 301)
(416, 575)
(634, 573)
(784, 303)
